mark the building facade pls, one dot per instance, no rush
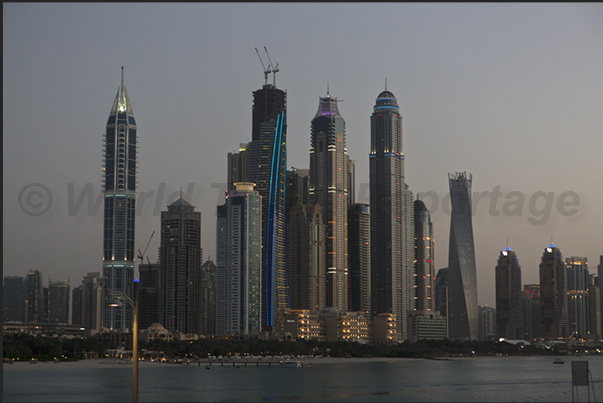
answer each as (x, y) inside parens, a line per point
(181, 257)
(306, 257)
(578, 304)
(14, 299)
(267, 157)
(554, 320)
(34, 294)
(359, 256)
(208, 298)
(424, 256)
(328, 188)
(531, 311)
(486, 323)
(58, 301)
(120, 156)
(150, 294)
(390, 270)
(239, 248)
(462, 281)
(509, 292)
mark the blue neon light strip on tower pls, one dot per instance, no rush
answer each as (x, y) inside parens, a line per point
(268, 290)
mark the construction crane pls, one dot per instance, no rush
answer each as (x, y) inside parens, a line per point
(274, 68)
(266, 72)
(141, 255)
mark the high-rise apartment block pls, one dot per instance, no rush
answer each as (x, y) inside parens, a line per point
(208, 298)
(486, 323)
(14, 299)
(578, 304)
(328, 188)
(267, 156)
(150, 294)
(34, 294)
(509, 301)
(392, 242)
(181, 257)
(239, 251)
(553, 295)
(462, 281)
(120, 157)
(306, 257)
(531, 311)
(359, 256)
(58, 301)
(424, 256)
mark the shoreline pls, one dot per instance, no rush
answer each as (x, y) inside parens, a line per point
(116, 363)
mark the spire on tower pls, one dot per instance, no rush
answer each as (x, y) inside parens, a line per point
(385, 83)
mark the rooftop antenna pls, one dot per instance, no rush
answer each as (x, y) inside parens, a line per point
(274, 68)
(328, 88)
(122, 76)
(385, 83)
(266, 72)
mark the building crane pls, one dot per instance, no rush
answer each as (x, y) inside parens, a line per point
(266, 72)
(274, 68)
(141, 255)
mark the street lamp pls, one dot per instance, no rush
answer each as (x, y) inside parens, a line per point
(117, 296)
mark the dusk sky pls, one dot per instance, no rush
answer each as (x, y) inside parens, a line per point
(511, 93)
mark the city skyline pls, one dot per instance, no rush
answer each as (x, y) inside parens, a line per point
(491, 89)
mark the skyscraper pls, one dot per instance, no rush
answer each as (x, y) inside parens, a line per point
(359, 258)
(509, 302)
(181, 257)
(76, 305)
(238, 244)
(328, 188)
(58, 297)
(238, 164)
(208, 298)
(390, 268)
(462, 282)
(578, 305)
(119, 186)
(150, 297)
(441, 292)
(424, 274)
(34, 303)
(267, 158)
(14, 298)
(531, 311)
(554, 319)
(305, 257)
(92, 303)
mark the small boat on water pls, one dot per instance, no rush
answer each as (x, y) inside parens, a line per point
(558, 361)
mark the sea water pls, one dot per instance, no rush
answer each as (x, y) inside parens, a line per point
(471, 379)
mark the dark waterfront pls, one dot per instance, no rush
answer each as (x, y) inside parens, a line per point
(500, 379)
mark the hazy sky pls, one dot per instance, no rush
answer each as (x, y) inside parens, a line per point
(511, 93)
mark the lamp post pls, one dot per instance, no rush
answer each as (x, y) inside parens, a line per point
(118, 295)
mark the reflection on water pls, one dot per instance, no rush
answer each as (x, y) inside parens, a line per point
(417, 380)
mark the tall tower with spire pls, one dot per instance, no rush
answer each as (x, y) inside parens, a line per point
(329, 188)
(392, 242)
(120, 149)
